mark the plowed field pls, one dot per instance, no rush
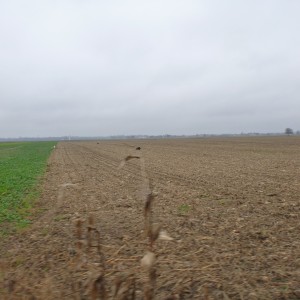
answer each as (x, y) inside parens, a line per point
(230, 205)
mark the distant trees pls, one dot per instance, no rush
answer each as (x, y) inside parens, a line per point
(289, 131)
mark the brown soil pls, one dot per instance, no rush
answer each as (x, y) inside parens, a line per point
(231, 205)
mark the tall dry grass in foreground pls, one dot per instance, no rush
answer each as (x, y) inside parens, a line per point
(90, 255)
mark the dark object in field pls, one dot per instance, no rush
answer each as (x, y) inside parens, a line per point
(127, 158)
(138, 148)
(131, 157)
(98, 143)
(272, 194)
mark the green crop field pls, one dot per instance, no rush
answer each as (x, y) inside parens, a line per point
(21, 166)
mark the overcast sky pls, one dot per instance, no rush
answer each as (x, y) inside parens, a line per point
(93, 68)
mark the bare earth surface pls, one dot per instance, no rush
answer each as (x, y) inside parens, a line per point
(231, 205)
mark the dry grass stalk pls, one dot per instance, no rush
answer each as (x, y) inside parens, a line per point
(127, 158)
(98, 288)
(79, 229)
(125, 287)
(151, 231)
(89, 245)
(87, 259)
(90, 229)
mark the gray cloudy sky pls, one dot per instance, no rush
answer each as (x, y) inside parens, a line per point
(74, 67)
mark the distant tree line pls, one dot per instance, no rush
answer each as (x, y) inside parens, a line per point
(290, 131)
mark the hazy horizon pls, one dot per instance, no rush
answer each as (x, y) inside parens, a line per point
(166, 135)
(133, 68)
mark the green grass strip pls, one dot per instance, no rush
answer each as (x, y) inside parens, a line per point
(22, 164)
